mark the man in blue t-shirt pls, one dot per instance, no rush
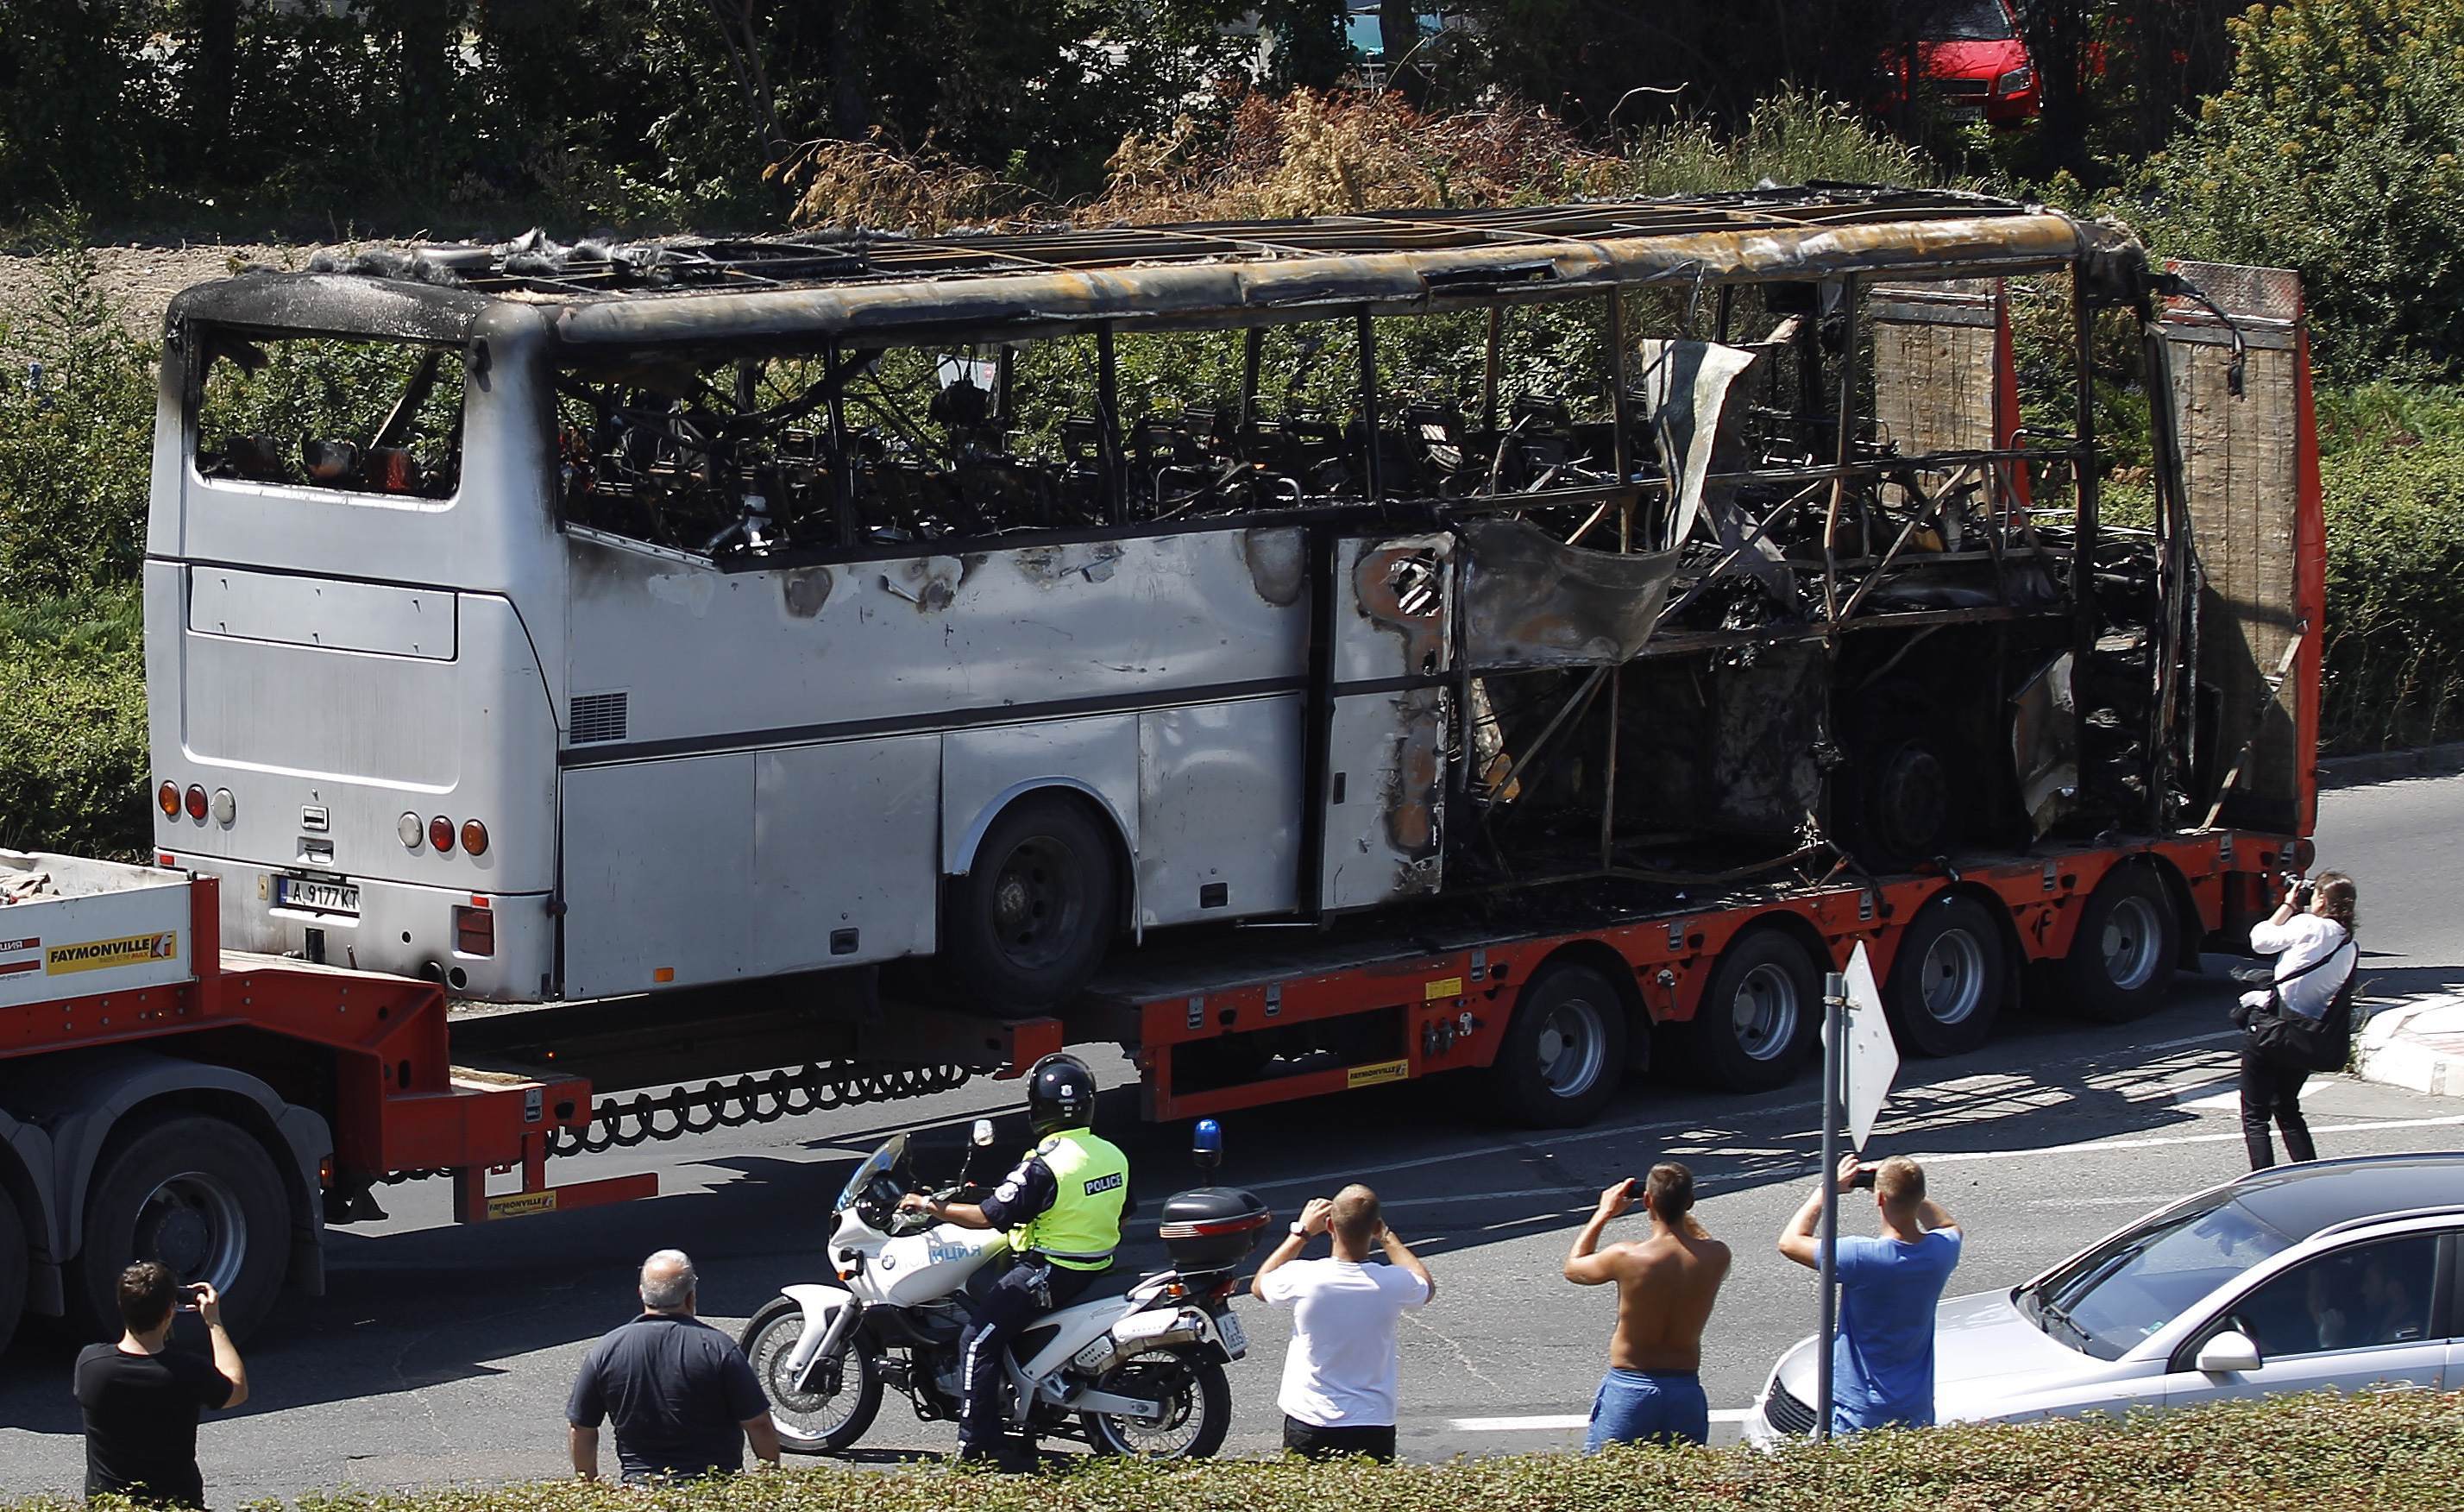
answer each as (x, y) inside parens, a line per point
(1881, 1363)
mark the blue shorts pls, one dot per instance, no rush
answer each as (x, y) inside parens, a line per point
(1637, 1407)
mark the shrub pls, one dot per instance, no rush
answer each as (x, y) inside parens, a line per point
(2394, 643)
(2338, 149)
(73, 726)
(2315, 1454)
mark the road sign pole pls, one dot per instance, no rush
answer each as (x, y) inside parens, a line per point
(1835, 1065)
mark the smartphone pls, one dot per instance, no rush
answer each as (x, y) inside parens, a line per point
(188, 1295)
(1863, 1178)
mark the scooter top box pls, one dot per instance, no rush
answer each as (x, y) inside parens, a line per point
(1212, 1227)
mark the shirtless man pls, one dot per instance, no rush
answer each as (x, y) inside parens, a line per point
(1665, 1287)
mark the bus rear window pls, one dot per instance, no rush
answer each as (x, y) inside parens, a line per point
(356, 416)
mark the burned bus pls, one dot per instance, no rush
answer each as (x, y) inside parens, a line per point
(572, 621)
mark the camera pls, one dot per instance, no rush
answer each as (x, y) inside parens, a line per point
(2302, 893)
(1863, 1179)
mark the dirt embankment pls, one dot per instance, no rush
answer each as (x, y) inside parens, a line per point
(141, 279)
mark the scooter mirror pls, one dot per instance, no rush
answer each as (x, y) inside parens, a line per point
(1206, 1144)
(982, 1133)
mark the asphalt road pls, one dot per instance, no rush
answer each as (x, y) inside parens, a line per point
(442, 1353)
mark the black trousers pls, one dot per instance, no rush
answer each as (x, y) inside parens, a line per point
(1027, 1290)
(2271, 1089)
(1313, 1442)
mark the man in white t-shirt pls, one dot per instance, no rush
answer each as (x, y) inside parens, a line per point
(1338, 1395)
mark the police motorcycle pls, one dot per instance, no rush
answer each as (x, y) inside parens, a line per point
(1137, 1373)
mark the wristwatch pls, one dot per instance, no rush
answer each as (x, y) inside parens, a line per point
(1299, 1232)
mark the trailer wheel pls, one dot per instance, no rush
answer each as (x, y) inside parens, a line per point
(1947, 983)
(198, 1195)
(1564, 1051)
(1029, 922)
(2121, 958)
(12, 1270)
(1760, 1014)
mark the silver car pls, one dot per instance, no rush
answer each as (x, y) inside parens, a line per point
(2334, 1274)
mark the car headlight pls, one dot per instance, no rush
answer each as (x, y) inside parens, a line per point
(2016, 81)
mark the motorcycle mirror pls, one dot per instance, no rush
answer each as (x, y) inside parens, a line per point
(1206, 1144)
(982, 1133)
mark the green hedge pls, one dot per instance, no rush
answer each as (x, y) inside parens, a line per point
(2318, 1453)
(73, 726)
(2394, 476)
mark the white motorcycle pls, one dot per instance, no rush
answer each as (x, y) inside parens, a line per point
(1137, 1373)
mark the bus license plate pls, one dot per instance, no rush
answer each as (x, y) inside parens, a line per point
(1236, 1339)
(322, 897)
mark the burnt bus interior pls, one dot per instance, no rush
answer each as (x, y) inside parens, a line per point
(1734, 564)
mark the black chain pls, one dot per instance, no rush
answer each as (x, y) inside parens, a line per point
(622, 1122)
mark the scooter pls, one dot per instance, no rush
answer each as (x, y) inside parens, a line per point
(1139, 1373)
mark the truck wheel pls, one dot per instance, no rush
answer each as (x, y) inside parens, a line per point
(1760, 1015)
(1029, 922)
(1947, 983)
(198, 1195)
(12, 1270)
(811, 1423)
(1564, 1050)
(2121, 958)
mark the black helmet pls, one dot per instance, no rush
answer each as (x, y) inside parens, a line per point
(1060, 1095)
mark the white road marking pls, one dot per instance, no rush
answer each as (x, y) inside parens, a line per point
(1561, 1422)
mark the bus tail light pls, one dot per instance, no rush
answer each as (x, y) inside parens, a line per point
(411, 829)
(225, 807)
(474, 838)
(196, 802)
(475, 931)
(169, 797)
(440, 833)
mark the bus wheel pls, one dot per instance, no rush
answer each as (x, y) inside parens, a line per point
(1029, 922)
(1760, 1015)
(2121, 958)
(12, 1269)
(1949, 981)
(198, 1195)
(1564, 1050)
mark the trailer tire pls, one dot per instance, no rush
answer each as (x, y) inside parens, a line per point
(2121, 958)
(1949, 980)
(1760, 1014)
(201, 1197)
(1564, 1051)
(1030, 920)
(14, 1263)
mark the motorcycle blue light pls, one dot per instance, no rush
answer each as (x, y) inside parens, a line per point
(1208, 1140)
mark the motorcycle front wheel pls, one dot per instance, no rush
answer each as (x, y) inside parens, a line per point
(811, 1422)
(1197, 1400)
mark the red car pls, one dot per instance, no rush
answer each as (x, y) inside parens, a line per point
(1970, 61)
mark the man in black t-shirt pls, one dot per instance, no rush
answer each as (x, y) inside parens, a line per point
(683, 1399)
(142, 1401)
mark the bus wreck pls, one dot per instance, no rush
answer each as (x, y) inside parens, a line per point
(772, 606)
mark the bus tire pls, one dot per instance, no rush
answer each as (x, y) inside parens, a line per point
(201, 1197)
(14, 1262)
(2121, 958)
(1564, 1051)
(1760, 1015)
(1030, 920)
(1949, 979)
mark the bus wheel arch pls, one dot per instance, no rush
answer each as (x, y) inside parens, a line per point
(1045, 884)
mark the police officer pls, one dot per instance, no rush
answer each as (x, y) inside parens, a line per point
(1063, 1208)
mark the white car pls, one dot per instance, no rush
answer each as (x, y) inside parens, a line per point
(2333, 1274)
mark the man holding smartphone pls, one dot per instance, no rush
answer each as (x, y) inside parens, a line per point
(1881, 1363)
(142, 1401)
(1340, 1373)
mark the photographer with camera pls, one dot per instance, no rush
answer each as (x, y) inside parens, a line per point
(141, 1400)
(1881, 1361)
(2301, 1020)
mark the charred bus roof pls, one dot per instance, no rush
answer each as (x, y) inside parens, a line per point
(881, 289)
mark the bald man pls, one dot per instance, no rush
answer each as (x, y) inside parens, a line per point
(1339, 1375)
(683, 1399)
